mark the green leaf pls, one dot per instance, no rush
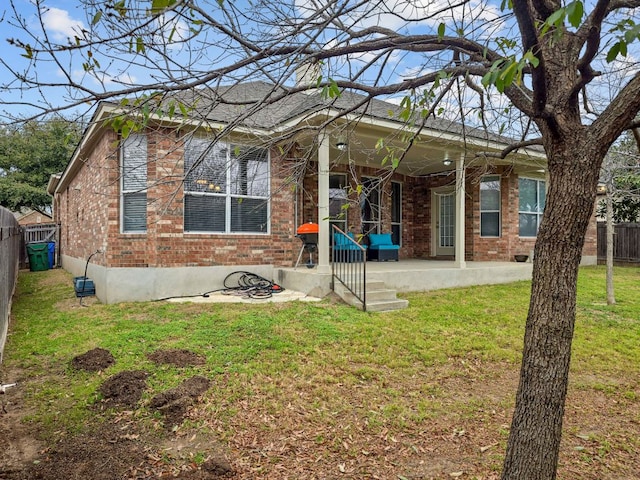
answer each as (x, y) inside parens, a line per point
(532, 59)
(158, 5)
(125, 131)
(140, 45)
(506, 4)
(96, 17)
(556, 18)
(121, 8)
(28, 51)
(613, 52)
(508, 74)
(575, 10)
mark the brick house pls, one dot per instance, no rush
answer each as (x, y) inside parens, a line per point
(27, 216)
(173, 212)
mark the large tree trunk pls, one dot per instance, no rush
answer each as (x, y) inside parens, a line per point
(534, 441)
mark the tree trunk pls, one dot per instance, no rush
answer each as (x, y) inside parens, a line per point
(534, 440)
(611, 298)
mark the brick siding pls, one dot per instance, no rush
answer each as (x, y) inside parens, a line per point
(89, 211)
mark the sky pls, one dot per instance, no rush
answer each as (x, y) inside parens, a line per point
(64, 18)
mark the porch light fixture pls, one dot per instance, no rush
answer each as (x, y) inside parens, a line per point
(342, 146)
(447, 162)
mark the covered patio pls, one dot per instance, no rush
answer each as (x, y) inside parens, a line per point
(411, 275)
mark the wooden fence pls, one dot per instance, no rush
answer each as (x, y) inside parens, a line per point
(10, 235)
(626, 242)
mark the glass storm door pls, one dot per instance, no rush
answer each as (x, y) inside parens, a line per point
(446, 223)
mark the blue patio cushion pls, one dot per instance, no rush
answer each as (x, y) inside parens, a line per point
(382, 241)
(341, 242)
(385, 247)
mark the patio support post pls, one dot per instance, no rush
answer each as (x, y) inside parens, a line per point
(323, 203)
(460, 213)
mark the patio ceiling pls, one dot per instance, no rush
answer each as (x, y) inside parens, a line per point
(358, 143)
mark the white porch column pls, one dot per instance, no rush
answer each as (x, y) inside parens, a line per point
(460, 213)
(323, 203)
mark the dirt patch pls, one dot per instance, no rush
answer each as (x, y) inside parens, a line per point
(93, 361)
(117, 449)
(174, 403)
(179, 358)
(124, 389)
(108, 454)
(18, 442)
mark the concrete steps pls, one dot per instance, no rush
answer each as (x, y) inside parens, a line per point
(379, 297)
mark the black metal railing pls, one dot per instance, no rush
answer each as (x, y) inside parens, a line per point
(349, 264)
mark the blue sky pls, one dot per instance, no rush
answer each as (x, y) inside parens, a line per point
(65, 17)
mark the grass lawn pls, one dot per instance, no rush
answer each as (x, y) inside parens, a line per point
(324, 391)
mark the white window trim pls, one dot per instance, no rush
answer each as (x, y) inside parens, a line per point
(498, 211)
(400, 222)
(344, 219)
(123, 192)
(376, 184)
(228, 196)
(539, 213)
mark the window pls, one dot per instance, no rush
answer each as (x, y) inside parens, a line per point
(226, 188)
(133, 205)
(490, 206)
(396, 213)
(532, 201)
(370, 205)
(338, 199)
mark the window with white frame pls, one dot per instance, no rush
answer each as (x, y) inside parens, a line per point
(370, 205)
(396, 213)
(490, 206)
(338, 200)
(226, 188)
(133, 204)
(532, 194)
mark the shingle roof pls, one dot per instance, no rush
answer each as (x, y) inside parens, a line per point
(266, 106)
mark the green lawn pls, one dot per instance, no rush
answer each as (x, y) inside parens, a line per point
(434, 362)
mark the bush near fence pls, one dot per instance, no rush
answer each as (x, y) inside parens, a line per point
(10, 239)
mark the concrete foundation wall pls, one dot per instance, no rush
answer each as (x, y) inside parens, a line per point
(115, 285)
(122, 284)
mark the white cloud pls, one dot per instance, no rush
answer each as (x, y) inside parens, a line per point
(402, 15)
(60, 25)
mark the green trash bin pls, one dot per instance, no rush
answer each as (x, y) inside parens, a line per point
(38, 256)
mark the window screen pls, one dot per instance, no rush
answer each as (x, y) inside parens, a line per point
(490, 206)
(134, 184)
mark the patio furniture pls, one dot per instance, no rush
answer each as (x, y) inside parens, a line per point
(381, 247)
(346, 249)
(308, 234)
